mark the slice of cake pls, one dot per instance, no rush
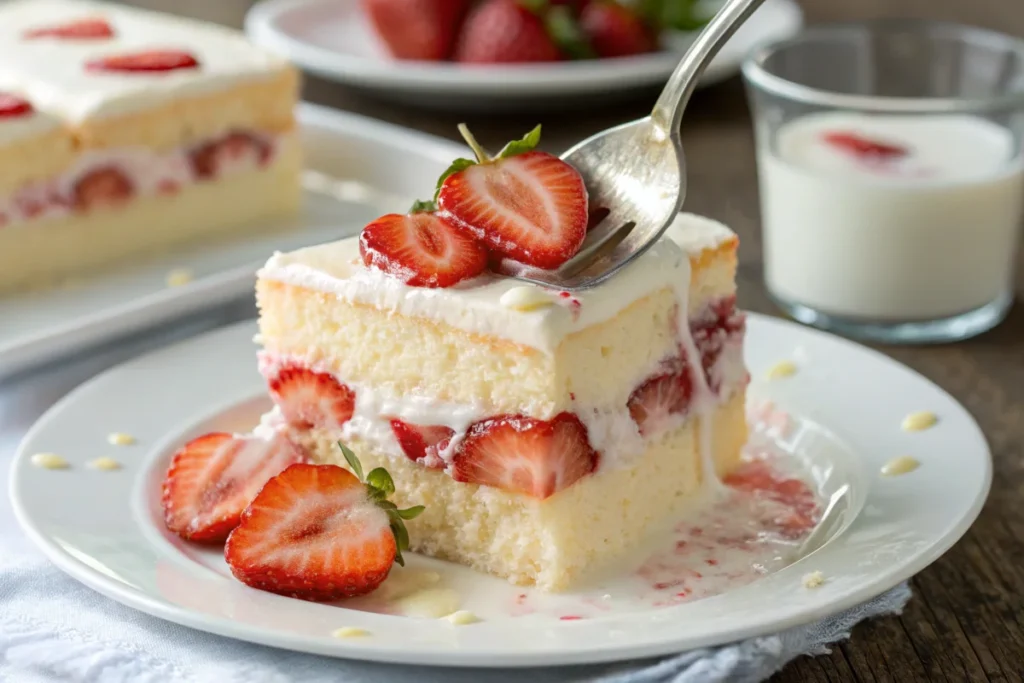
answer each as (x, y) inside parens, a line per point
(545, 432)
(124, 132)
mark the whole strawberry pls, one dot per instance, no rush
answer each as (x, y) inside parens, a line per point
(615, 31)
(417, 29)
(504, 31)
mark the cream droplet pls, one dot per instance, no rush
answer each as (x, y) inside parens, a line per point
(462, 617)
(50, 461)
(526, 298)
(785, 368)
(900, 465)
(105, 464)
(349, 632)
(814, 580)
(179, 277)
(120, 439)
(432, 603)
(919, 421)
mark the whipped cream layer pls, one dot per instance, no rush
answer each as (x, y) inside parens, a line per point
(488, 305)
(149, 173)
(52, 73)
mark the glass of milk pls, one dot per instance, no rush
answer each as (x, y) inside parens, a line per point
(891, 165)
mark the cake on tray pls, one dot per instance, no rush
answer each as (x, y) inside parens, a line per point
(124, 132)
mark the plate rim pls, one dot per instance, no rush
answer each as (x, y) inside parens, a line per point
(128, 595)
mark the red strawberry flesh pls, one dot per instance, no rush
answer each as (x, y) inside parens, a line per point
(531, 207)
(79, 29)
(12, 106)
(234, 149)
(653, 404)
(525, 455)
(105, 186)
(309, 399)
(417, 29)
(503, 31)
(214, 477)
(312, 533)
(149, 61)
(865, 148)
(422, 444)
(615, 31)
(422, 250)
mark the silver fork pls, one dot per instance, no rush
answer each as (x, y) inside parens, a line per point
(636, 171)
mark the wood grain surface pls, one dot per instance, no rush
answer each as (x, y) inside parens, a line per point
(966, 620)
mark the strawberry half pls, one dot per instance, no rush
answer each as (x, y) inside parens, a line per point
(527, 205)
(309, 399)
(504, 31)
(420, 443)
(653, 403)
(147, 61)
(615, 31)
(317, 532)
(12, 106)
(79, 29)
(422, 249)
(104, 186)
(236, 150)
(865, 148)
(213, 478)
(525, 455)
(417, 29)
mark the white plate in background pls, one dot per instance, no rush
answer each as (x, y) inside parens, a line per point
(333, 39)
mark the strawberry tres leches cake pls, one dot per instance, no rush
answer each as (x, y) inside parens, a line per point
(533, 434)
(124, 131)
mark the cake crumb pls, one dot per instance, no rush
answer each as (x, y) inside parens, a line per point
(526, 298)
(50, 461)
(814, 580)
(105, 464)
(900, 465)
(349, 632)
(462, 617)
(919, 421)
(179, 277)
(785, 368)
(120, 439)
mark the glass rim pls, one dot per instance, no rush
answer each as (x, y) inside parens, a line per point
(755, 73)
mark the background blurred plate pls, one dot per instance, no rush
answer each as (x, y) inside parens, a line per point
(331, 38)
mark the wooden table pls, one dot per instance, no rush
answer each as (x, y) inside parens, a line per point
(966, 621)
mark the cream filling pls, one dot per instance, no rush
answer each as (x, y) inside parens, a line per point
(150, 173)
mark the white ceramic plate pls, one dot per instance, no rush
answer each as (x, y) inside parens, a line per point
(104, 529)
(332, 39)
(375, 168)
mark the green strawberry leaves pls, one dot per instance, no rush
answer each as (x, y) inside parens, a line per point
(423, 207)
(525, 144)
(379, 485)
(565, 31)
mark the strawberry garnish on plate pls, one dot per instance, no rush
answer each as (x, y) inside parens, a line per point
(422, 444)
(310, 399)
(525, 204)
(79, 29)
(614, 30)
(234, 150)
(864, 147)
(525, 455)
(320, 532)
(102, 187)
(422, 248)
(417, 29)
(213, 478)
(505, 31)
(653, 404)
(148, 61)
(12, 106)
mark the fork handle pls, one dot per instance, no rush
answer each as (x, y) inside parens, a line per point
(668, 110)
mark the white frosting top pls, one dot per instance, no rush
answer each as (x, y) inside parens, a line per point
(476, 305)
(51, 72)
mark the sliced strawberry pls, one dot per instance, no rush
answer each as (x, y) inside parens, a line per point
(12, 106)
(312, 533)
(615, 30)
(716, 326)
(102, 187)
(865, 148)
(148, 61)
(309, 399)
(528, 205)
(504, 31)
(525, 455)
(417, 29)
(213, 478)
(236, 150)
(653, 404)
(78, 29)
(422, 249)
(420, 443)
